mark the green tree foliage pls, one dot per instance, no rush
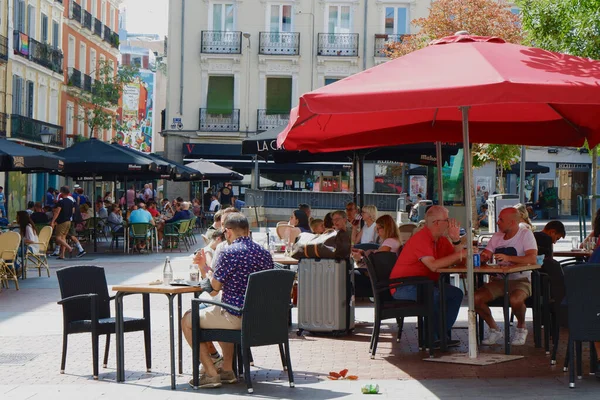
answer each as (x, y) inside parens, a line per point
(101, 103)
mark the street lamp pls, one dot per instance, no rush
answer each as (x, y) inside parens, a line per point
(46, 135)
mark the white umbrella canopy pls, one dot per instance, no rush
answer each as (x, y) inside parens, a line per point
(264, 182)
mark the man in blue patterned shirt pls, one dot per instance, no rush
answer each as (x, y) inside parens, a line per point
(233, 266)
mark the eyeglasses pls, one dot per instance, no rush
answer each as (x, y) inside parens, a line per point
(442, 220)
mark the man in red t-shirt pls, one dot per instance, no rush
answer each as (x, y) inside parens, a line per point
(435, 246)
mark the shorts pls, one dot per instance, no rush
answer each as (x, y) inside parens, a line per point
(216, 317)
(62, 229)
(496, 287)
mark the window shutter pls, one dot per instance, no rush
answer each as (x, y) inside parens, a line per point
(220, 95)
(30, 99)
(44, 29)
(55, 34)
(279, 95)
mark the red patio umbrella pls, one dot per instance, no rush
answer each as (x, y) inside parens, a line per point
(517, 95)
(460, 87)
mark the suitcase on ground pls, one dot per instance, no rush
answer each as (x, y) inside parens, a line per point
(325, 296)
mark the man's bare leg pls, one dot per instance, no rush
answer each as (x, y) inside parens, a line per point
(517, 303)
(61, 240)
(227, 355)
(482, 298)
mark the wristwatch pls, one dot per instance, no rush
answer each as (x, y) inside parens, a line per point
(457, 242)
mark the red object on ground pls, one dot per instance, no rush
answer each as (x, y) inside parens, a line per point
(517, 94)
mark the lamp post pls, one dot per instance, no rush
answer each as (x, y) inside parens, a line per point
(46, 137)
(247, 36)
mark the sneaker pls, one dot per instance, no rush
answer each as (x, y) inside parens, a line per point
(207, 382)
(81, 254)
(494, 336)
(519, 337)
(227, 377)
(217, 362)
(54, 254)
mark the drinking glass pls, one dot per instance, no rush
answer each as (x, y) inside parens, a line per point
(591, 243)
(575, 243)
(194, 272)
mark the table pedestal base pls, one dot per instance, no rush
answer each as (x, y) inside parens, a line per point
(481, 359)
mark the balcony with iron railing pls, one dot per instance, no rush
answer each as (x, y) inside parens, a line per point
(40, 53)
(279, 43)
(30, 129)
(97, 27)
(87, 20)
(75, 13)
(75, 78)
(224, 122)
(3, 48)
(338, 44)
(107, 37)
(382, 41)
(221, 42)
(3, 118)
(88, 83)
(271, 119)
(114, 40)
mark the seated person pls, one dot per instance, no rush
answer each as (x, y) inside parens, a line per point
(152, 209)
(317, 226)
(115, 220)
(215, 237)
(299, 219)
(510, 245)
(366, 233)
(483, 215)
(141, 216)
(237, 203)
(328, 222)
(39, 216)
(547, 238)
(233, 266)
(214, 204)
(49, 212)
(408, 204)
(437, 245)
(101, 211)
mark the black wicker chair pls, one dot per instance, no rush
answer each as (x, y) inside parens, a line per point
(380, 266)
(264, 322)
(583, 303)
(86, 308)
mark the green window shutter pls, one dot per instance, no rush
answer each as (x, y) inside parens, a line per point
(279, 95)
(220, 95)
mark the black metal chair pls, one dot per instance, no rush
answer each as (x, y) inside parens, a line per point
(553, 292)
(380, 266)
(86, 308)
(583, 303)
(264, 322)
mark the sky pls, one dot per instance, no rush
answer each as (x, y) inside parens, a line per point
(147, 16)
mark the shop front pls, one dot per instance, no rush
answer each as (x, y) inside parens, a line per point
(573, 180)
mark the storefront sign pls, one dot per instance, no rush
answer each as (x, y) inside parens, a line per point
(266, 145)
(573, 166)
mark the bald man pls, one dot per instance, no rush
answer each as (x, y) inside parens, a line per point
(510, 245)
(436, 246)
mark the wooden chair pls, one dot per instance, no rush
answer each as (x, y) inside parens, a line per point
(9, 249)
(39, 258)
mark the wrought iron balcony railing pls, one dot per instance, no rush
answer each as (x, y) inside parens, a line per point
(225, 122)
(279, 43)
(107, 34)
(75, 78)
(221, 42)
(87, 20)
(338, 44)
(268, 120)
(383, 40)
(114, 40)
(97, 27)
(75, 13)
(40, 53)
(88, 83)
(3, 48)
(30, 129)
(3, 118)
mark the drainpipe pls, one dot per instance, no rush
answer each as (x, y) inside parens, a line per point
(181, 58)
(364, 61)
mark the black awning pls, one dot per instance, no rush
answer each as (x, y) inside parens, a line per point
(16, 157)
(530, 168)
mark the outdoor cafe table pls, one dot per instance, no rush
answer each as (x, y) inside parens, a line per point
(170, 292)
(579, 255)
(281, 258)
(504, 271)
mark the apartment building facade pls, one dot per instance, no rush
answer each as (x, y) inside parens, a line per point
(90, 39)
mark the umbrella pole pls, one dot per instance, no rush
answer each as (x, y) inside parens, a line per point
(361, 163)
(438, 156)
(355, 177)
(95, 222)
(468, 228)
(522, 177)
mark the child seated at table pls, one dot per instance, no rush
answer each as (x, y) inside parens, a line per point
(317, 226)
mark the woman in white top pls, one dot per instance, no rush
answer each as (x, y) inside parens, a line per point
(28, 232)
(388, 232)
(367, 233)
(525, 222)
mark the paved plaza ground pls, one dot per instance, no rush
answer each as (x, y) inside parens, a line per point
(31, 341)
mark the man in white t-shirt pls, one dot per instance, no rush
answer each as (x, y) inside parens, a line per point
(510, 245)
(214, 204)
